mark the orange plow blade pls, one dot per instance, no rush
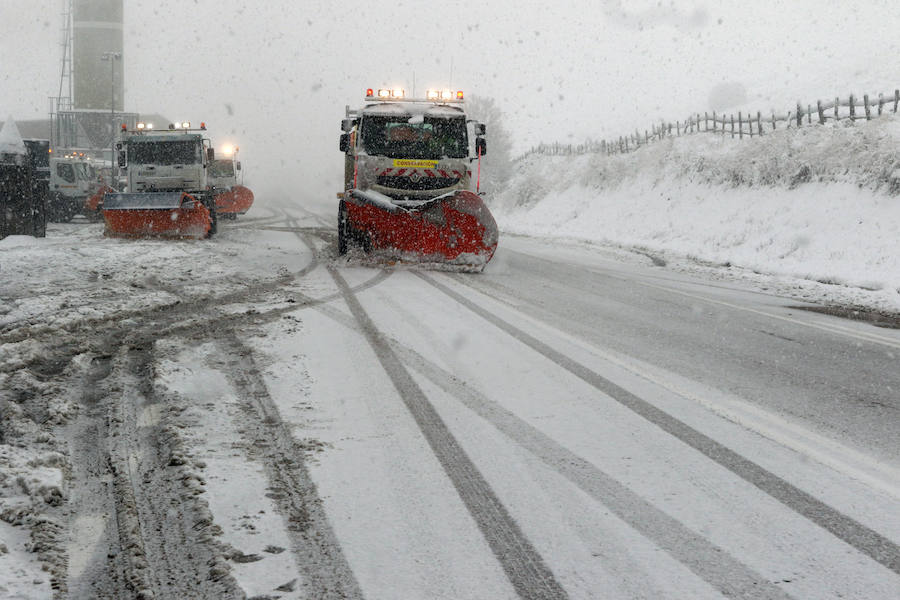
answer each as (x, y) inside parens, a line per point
(157, 214)
(455, 230)
(235, 201)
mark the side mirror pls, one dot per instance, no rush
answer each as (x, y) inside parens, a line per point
(211, 154)
(480, 129)
(238, 165)
(481, 146)
(345, 142)
(347, 124)
(123, 162)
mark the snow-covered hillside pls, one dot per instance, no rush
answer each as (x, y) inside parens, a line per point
(812, 212)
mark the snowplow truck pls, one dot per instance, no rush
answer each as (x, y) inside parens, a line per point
(168, 192)
(411, 176)
(232, 198)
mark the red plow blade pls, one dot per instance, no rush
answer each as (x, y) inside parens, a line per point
(95, 202)
(456, 229)
(235, 201)
(157, 214)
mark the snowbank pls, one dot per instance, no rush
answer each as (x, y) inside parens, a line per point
(818, 203)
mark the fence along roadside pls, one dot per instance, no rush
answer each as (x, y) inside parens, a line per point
(737, 125)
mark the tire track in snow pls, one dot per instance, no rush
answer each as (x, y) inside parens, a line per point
(156, 539)
(326, 574)
(708, 561)
(705, 559)
(183, 558)
(523, 565)
(862, 538)
(35, 326)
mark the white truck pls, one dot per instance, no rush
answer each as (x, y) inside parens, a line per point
(411, 172)
(168, 190)
(411, 149)
(73, 179)
(224, 172)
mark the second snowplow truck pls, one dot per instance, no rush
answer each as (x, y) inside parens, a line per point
(168, 193)
(411, 176)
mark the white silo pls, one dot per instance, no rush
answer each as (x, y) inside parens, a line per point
(98, 63)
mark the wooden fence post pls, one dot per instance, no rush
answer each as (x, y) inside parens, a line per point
(773, 120)
(880, 103)
(759, 122)
(852, 108)
(678, 128)
(896, 99)
(740, 126)
(809, 114)
(821, 112)
(799, 115)
(837, 106)
(868, 108)
(732, 125)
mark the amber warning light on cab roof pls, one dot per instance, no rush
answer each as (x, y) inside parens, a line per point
(443, 95)
(386, 94)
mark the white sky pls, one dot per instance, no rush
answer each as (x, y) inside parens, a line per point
(274, 76)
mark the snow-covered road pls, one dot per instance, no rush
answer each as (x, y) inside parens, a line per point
(253, 416)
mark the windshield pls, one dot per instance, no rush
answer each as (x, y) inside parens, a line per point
(164, 153)
(83, 172)
(221, 168)
(402, 136)
(66, 172)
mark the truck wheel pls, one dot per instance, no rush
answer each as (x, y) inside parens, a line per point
(213, 217)
(343, 229)
(64, 210)
(40, 217)
(55, 208)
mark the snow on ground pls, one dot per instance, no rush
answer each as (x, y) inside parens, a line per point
(23, 578)
(813, 209)
(28, 479)
(236, 489)
(57, 277)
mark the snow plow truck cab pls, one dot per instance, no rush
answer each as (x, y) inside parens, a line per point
(411, 177)
(168, 191)
(226, 180)
(74, 178)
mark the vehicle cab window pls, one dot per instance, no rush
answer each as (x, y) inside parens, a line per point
(66, 172)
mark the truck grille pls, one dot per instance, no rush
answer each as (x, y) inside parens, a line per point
(425, 183)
